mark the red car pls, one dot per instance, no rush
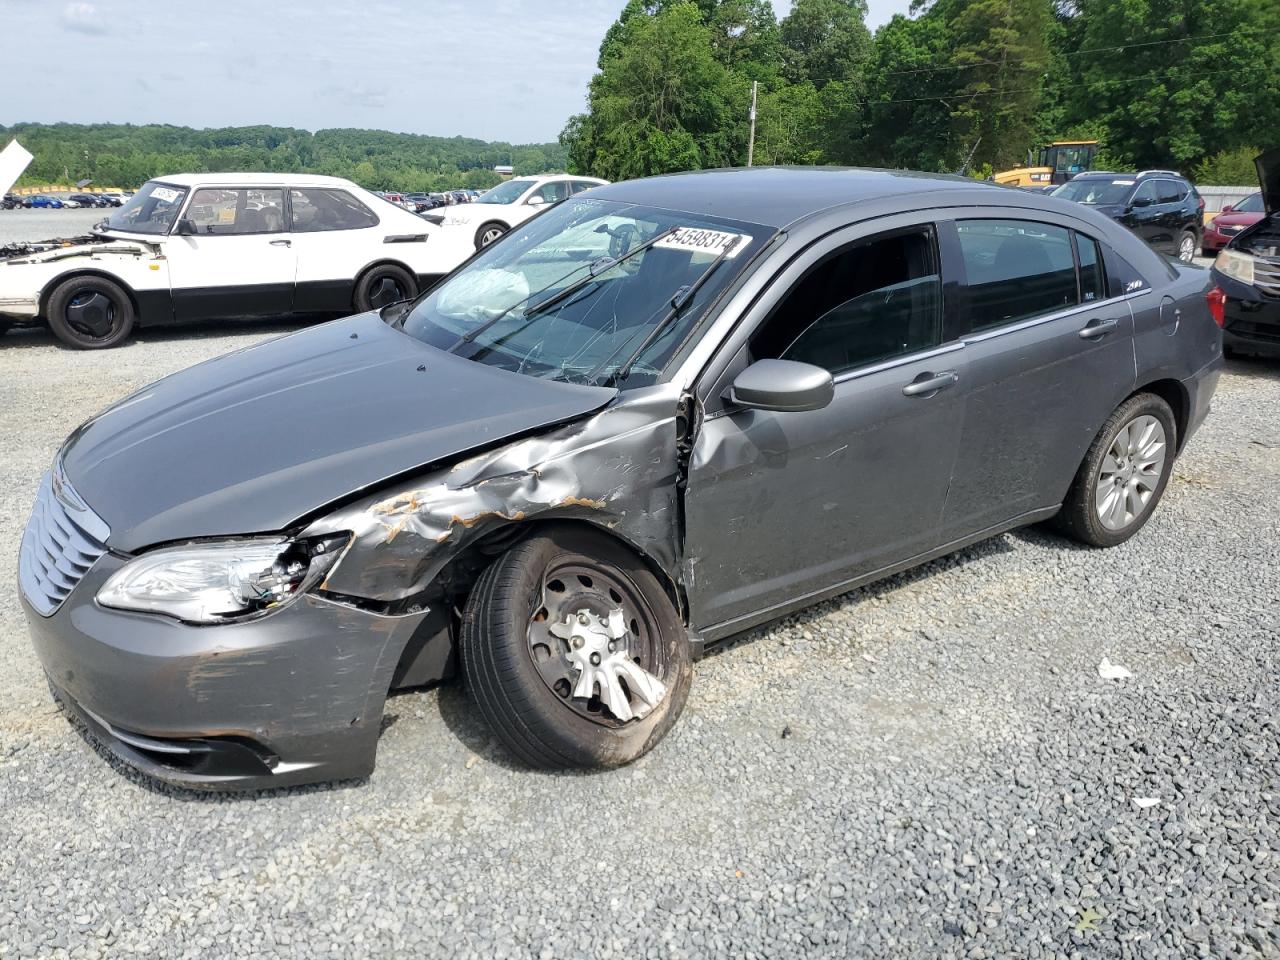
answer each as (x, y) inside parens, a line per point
(1231, 221)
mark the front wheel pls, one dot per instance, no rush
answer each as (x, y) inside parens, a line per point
(384, 285)
(1187, 247)
(488, 234)
(1124, 474)
(90, 313)
(573, 652)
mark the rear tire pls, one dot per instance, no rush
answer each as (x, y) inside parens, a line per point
(510, 667)
(1120, 482)
(384, 285)
(1187, 246)
(90, 313)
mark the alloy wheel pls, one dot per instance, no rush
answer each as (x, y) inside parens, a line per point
(1130, 473)
(1187, 249)
(490, 235)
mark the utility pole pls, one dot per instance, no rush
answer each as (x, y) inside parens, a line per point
(751, 144)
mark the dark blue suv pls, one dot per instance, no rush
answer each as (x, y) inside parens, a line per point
(1161, 206)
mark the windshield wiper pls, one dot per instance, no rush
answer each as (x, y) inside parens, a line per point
(604, 264)
(681, 299)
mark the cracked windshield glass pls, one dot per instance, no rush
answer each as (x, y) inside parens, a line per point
(591, 292)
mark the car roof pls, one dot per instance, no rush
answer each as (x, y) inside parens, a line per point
(780, 196)
(253, 180)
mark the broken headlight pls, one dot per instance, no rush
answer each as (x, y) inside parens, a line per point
(227, 580)
(1237, 265)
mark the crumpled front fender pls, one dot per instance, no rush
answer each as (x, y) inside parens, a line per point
(616, 469)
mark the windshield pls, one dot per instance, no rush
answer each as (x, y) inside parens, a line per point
(1250, 204)
(508, 192)
(150, 210)
(572, 294)
(1095, 190)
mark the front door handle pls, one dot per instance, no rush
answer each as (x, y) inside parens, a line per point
(931, 384)
(1097, 329)
(282, 243)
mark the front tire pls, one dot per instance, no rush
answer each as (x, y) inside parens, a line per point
(90, 313)
(490, 233)
(1123, 476)
(384, 285)
(573, 652)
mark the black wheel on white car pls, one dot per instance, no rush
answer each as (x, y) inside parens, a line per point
(1187, 246)
(489, 233)
(90, 313)
(574, 652)
(384, 285)
(1124, 474)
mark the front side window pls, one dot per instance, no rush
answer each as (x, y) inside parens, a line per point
(151, 210)
(317, 209)
(1015, 270)
(553, 192)
(1147, 193)
(587, 291)
(875, 300)
(217, 211)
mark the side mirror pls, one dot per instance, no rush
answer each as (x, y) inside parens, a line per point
(536, 200)
(1227, 209)
(782, 385)
(186, 228)
(1141, 202)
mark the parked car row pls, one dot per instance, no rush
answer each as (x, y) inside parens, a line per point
(71, 201)
(421, 202)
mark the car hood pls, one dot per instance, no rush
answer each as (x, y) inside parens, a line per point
(256, 440)
(1236, 219)
(1268, 165)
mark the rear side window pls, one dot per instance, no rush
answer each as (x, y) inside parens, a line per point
(1092, 281)
(316, 209)
(875, 300)
(1016, 270)
(1170, 191)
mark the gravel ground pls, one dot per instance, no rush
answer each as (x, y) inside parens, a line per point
(930, 767)
(45, 224)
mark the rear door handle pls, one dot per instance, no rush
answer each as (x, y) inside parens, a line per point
(1099, 328)
(932, 383)
(282, 243)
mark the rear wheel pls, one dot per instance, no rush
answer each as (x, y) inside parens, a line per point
(489, 233)
(90, 313)
(573, 652)
(384, 285)
(1124, 474)
(1187, 247)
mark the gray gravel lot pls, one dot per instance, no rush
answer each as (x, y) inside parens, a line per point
(45, 224)
(930, 767)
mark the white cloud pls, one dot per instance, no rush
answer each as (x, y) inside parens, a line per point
(82, 18)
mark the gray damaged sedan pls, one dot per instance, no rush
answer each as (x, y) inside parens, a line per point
(658, 415)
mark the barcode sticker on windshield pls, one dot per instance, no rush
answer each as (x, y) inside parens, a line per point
(705, 241)
(165, 194)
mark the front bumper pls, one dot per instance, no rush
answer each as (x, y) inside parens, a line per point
(290, 698)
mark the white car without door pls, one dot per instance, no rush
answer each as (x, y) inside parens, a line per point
(473, 226)
(211, 246)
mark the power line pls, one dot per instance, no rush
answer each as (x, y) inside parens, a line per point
(1003, 93)
(1074, 53)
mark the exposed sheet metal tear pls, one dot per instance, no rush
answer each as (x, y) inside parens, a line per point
(616, 469)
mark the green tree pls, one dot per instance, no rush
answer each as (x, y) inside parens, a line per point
(825, 40)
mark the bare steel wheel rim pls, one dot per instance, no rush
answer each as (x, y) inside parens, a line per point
(1130, 473)
(1187, 249)
(490, 235)
(595, 642)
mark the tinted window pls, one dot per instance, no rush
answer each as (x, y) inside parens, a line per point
(580, 185)
(1170, 191)
(1092, 281)
(878, 299)
(317, 209)
(1016, 270)
(228, 212)
(1146, 192)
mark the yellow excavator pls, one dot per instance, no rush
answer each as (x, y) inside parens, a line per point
(1058, 163)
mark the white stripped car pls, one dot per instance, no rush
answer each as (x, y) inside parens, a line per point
(198, 247)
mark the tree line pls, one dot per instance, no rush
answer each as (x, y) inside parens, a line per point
(125, 155)
(976, 84)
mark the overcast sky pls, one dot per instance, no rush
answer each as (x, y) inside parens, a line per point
(511, 70)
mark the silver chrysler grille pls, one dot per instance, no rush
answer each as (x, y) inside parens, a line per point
(63, 539)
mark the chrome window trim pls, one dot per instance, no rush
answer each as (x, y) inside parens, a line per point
(1027, 324)
(879, 367)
